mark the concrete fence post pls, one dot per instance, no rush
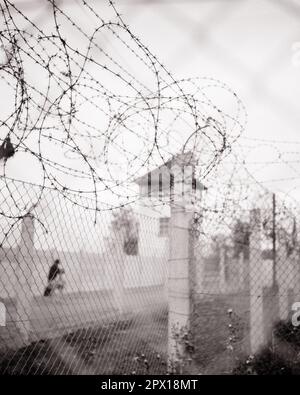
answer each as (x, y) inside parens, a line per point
(181, 271)
(282, 272)
(222, 274)
(179, 292)
(119, 286)
(296, 282)
(119, 273)
(24, 296)
(198, 249)
(292, 277)
(256, 286)
(240, 269)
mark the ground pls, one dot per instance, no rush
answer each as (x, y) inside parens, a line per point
(137, 344)
(131, 346)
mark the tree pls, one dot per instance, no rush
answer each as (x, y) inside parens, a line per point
(126, 224)
(241, 239)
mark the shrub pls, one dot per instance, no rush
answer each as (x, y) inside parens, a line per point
(266, 362)
(288, 332)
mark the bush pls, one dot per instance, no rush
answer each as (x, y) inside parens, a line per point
(268, 362)
(286, 331)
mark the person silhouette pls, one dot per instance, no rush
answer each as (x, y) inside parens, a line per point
(55, 280)
(6, 150)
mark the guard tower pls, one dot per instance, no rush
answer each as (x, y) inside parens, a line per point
(174, 180)
(174, 183)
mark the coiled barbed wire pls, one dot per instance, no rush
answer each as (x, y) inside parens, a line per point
(90, 118)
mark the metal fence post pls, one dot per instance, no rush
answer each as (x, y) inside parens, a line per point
(24, 294)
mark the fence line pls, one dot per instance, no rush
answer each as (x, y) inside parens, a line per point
(113, 276)
(120, 283)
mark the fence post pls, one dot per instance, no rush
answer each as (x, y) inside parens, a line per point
(222, 276)
(256, 288)
(296, 282)
(180, 273)
(24, 295)
(292, 278)
(283, 267)
(119, 287)
(119, 272)
(240, 268)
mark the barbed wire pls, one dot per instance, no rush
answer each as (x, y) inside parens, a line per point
(89, 119)
(145, 117)
(85, 122)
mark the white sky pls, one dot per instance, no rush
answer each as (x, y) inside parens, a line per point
(249, 44)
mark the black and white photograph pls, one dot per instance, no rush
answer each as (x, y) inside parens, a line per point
(149, 190)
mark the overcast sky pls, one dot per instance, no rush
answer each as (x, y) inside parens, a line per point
(252, 45)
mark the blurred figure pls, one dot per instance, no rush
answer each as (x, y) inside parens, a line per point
(55, 279)
(6, 149)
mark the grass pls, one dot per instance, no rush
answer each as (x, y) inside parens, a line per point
(132, 346)
(123, 347)
(34, 359)
(211, 337)
(129, 346)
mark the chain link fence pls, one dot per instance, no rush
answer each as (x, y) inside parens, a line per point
(244, 318)
(110, 315)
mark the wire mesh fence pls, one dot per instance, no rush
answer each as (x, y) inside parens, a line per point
(106, 309)
(86, 289)
(247, 287)
(110, 296)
